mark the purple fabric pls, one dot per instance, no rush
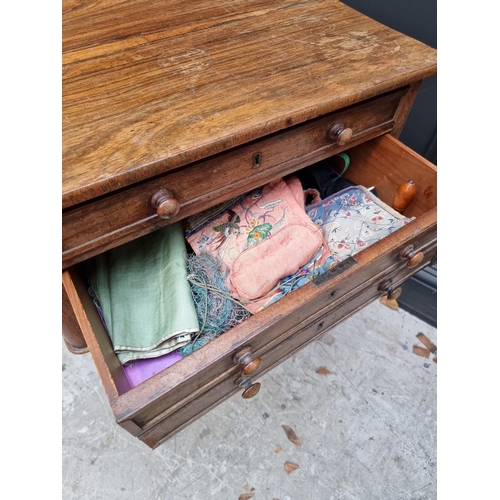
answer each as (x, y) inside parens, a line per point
(141, 369)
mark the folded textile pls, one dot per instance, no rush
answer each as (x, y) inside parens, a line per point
(264, 237)
(144, 295)
(324, 178)
(139, 370)
(353, 219)
(196, 221)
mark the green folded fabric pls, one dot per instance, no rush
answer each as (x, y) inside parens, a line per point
(144, 295)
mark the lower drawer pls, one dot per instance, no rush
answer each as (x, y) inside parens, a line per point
(171, 399)
(161, 429)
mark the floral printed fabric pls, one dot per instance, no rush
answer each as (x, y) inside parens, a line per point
(354, 219)
(267, 242)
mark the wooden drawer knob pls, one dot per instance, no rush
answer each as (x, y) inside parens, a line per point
(245, 358)
(250, 389)
(391, 292)
(404, 196)
(414, 259)
(340, 134)
(165, 203)
(251, 367)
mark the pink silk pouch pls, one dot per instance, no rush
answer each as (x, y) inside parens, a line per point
(262, 238)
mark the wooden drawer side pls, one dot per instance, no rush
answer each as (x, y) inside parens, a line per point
(108, 366)
(385, 163)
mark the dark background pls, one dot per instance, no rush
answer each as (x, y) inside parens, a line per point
(418, 19)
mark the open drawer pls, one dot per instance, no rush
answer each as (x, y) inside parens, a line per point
(171, 399)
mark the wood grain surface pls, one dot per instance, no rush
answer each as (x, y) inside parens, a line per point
(149, 86)
(100, 224)
(170, 91)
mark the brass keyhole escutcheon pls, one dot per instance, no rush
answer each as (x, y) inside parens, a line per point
(257, 160)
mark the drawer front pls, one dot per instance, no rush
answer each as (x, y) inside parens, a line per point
(104, 223)
(282, 349)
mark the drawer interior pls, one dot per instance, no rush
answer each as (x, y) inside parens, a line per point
(383, 163)
(386, 164)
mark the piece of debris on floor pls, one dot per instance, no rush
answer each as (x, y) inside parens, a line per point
(290, 434)
(278, 449)
(421, 351)
(430, 347)
(393, 304)
(289, 467)
(425, 340)
(323, 370)
(246, 496)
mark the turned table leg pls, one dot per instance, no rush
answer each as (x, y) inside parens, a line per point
(71, 332)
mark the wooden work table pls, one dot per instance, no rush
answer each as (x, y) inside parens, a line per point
(170, 107)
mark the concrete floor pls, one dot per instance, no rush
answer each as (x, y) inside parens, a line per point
(366, 425)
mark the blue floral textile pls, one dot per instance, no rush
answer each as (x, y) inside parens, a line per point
(353, 219)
